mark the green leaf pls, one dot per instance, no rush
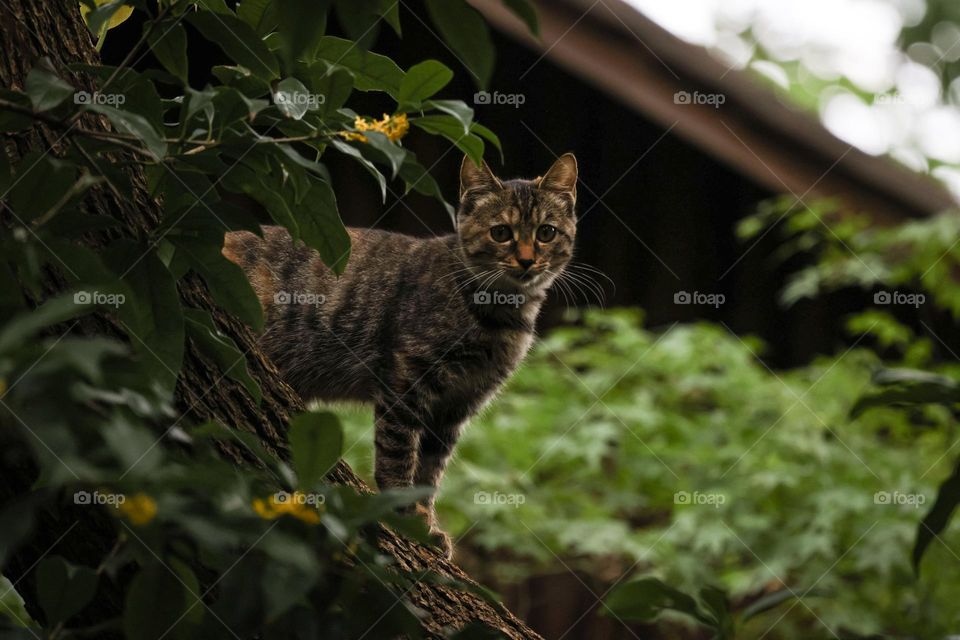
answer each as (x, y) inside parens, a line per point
(135, 125)
(168, 42)
(935, 521)
(645, 599)
(908, 387)
(154, 317)
(771, 601)
(321, 227)
(21, 328)
(417, 178)
(488, 135)
(64, 588)
(267, 191)
(451, 129)
(45, 89)
(239, 41)
(390, 10)
(371, 71)
(293, 99)
(718, 607)
(335, 85)
(228, 284)
(422, 81)
(525, 11)
(98, 19)
(12, 121)
(41, 184)
(467, 33)
(456, 108)
(316, 441)
(221, 348)
(162, 601)
(351, 151)
(301, 25)
(259, 14)
(393, 153)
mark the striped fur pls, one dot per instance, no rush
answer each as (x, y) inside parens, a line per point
(425, 329)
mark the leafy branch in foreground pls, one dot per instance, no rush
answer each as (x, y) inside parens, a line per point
(198, 546)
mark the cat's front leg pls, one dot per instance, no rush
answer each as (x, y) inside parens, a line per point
(399, 461)
(436, 447)
(396, 441)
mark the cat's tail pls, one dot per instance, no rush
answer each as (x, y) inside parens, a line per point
(248, 251)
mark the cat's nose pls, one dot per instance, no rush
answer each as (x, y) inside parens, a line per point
(524, 263)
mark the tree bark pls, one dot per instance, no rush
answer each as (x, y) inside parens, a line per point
(31, 29)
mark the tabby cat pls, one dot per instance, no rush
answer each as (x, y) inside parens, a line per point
(425, 329)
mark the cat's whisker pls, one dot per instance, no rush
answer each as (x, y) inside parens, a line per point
(454, 273)
(592, 269)
(592, 286)
(587, 288)
(588, 281)
(463, 285)
(561, 286)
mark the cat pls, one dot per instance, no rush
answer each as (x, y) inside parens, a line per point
(425, 329)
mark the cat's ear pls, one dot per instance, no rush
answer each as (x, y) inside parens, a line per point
(562, 176)
(477, 178)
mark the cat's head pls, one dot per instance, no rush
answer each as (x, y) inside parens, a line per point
(522, 228)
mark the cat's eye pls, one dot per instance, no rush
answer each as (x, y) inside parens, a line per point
(546, 233)
(501, 233)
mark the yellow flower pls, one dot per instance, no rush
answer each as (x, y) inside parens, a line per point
(139, 509)
(394, 127)
(291, 504)
(118, 17)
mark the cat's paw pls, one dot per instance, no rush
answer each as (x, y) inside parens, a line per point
(441, 540)
(438, 536)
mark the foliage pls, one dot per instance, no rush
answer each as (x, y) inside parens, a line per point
(197, 547)
(678, 453)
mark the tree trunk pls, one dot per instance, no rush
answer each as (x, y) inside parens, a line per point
(31, 29)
